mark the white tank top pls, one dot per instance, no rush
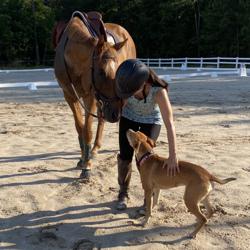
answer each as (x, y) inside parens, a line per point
(138, 111)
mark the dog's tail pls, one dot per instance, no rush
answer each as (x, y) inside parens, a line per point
(224, 181)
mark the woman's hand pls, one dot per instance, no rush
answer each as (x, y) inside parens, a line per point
(172, 166)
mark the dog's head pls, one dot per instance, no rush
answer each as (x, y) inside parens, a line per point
(135, 140)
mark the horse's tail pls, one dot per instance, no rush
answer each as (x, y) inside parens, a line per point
(224, 181)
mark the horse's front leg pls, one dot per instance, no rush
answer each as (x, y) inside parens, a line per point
(87, 137)
(78, 117)
(98, 137)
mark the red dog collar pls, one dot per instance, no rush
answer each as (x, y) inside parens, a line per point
(143, 159)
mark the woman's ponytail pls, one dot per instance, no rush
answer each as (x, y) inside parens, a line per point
(156, 81)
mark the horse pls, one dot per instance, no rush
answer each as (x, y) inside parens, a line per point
(85, 67)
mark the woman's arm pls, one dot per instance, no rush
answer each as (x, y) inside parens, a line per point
(162, 100)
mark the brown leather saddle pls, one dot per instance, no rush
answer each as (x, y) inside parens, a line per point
(93, 21)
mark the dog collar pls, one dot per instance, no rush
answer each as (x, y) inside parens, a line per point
(143, 159)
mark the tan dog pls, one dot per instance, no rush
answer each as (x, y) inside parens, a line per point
(154, 177)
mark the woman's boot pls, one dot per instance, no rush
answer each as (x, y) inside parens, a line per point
(124, 176)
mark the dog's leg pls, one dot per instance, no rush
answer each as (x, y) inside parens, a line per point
(156, 196)
(193, 195)
(148, 199)
(208, 207)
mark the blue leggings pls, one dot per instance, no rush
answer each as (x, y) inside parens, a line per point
(151, 130)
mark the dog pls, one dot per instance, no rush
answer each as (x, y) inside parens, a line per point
(154, 176)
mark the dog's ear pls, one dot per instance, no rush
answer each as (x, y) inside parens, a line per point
(137, 145)
(151, 142)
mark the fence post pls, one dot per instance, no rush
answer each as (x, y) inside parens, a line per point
(201, 63)
(159, 62)
(172, 63)
(218, 62)
(148, 61)
(236, 62)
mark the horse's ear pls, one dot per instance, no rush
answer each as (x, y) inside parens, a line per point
(151, 142)
(119, 45)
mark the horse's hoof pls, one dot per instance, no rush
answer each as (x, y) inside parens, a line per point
(85, 174)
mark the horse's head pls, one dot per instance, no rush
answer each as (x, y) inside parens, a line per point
(105, 63)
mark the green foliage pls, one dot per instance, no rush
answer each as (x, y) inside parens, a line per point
(160, 28)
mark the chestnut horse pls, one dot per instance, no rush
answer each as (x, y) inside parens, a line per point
(85, 68)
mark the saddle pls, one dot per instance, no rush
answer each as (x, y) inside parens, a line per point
(93, 21)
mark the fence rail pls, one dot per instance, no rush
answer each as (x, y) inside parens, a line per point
(202, 62)
(220, 66)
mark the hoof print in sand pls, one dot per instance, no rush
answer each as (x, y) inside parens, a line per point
(84, 244)
(47, 236)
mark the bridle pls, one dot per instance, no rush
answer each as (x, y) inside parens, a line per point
(102, 99)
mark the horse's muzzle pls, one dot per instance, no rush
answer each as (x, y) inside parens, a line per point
(111, 114)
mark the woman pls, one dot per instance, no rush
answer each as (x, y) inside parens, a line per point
(146, 104)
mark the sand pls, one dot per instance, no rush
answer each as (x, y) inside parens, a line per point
(43, 204)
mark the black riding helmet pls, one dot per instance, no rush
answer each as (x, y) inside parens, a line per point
(130, 76)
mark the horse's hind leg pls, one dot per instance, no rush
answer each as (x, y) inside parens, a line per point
(78, 117)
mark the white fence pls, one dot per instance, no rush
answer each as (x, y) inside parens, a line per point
(29, 85)
(215, 65)
(201, 63)
(25, 70)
